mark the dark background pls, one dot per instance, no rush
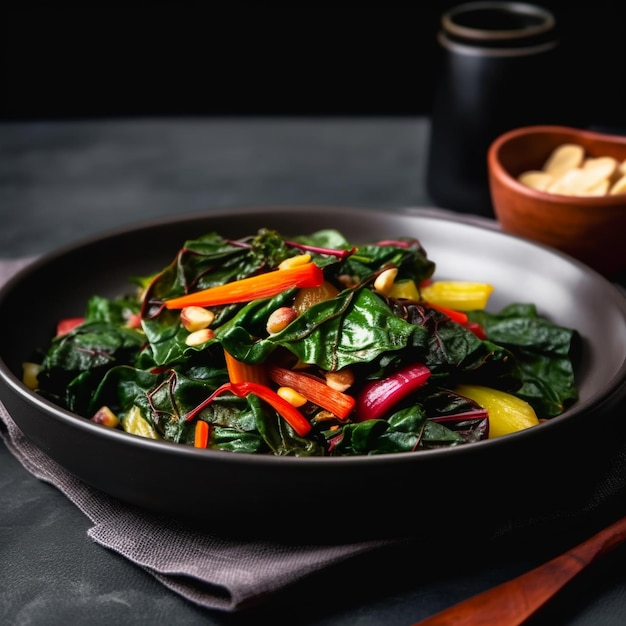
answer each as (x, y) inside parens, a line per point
(101, 59)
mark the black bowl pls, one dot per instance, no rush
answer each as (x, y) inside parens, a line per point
(474, 486)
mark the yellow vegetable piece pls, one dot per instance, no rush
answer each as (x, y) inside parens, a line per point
(29, 375)
(295, 261)
(136, 424)
(106, 417)
(308, 296)
(405, 288)
(456, 294)
(507, 413)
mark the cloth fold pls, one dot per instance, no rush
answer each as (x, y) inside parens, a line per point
(209, 570)
(227, 574)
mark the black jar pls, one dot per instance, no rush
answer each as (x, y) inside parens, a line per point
(498, 70)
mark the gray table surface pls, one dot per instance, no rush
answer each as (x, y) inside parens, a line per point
(65, 180)
(62, 181)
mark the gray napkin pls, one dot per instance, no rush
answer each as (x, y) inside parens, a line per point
(209, 570)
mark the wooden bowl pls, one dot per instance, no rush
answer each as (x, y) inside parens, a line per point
(588, 228)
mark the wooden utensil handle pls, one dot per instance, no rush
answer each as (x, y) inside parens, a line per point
(514, 601)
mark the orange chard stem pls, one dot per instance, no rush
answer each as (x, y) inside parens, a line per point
(240, 372)
(67, 324)
(253, 288)
(314, 390)
(201, 435)
(453, 314)
(287, 411)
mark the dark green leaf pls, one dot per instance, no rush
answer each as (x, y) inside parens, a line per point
(544, 353)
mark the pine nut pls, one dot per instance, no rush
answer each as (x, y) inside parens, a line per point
(292, 396)
(341, 380)
(198, 337)
(384, 281)
(196, 318)
(280, 318)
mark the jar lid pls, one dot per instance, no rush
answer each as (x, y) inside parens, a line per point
(498, 23)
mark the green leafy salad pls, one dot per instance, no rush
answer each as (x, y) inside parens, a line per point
(307, 346)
